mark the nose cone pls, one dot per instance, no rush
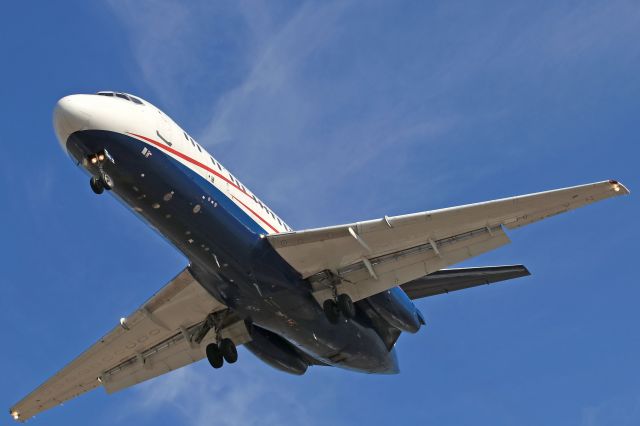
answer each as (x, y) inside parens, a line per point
(70, 115)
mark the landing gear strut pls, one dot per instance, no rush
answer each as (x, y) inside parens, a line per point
(218, 353)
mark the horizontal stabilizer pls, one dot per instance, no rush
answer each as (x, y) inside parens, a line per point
(447, 280)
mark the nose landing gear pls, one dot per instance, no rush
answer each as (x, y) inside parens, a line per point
(102, 181)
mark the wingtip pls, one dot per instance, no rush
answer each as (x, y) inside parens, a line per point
(619, 187)
(15, 415)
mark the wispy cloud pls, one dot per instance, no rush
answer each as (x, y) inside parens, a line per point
(286, 119)
(621, 410)
(200, 396)
(298, 101)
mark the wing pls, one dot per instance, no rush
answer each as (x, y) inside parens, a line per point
(157, 338)
(365, 258)
(448, 280)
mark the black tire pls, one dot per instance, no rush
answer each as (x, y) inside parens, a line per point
(214, 356)
(96, 185)
(229, 351)
(107, 182)
(346, 306)
(331, 310)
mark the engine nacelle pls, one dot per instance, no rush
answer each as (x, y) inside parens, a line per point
(275, 351)
(397, 309)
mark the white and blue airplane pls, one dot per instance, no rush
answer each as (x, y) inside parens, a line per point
(337, 296)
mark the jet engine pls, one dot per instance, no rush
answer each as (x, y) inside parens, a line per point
(395, 307)
(275, 351)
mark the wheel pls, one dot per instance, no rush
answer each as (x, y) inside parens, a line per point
(107, 182)
(346, 306)
(96, 185)
(214, 356)
(228, 351)
(331, 311)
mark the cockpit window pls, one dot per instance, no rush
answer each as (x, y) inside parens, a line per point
(122, 96)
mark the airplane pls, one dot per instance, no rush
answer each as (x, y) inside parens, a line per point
(334, 296)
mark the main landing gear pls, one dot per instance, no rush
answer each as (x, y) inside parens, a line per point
(342, 305)
(218, 353)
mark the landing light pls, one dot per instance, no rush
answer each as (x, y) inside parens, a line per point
(101, 157)
(15, 415)
(616, 187)
(94, 160)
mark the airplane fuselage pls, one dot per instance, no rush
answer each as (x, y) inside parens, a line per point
(173, 184)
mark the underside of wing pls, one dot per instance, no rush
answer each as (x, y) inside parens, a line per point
(365, 258)
(448, 280)
(156, 338)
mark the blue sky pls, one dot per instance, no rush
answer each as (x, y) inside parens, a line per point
(336, 111)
